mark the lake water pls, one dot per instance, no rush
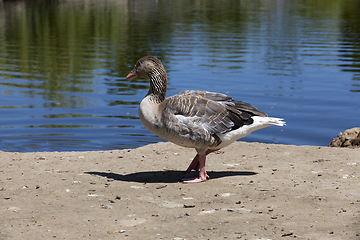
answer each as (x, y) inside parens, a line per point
(63, 66)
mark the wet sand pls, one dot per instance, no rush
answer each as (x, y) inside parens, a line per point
(255, 191)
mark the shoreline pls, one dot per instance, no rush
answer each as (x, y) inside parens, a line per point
(255, 191)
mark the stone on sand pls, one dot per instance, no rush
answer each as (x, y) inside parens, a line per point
(349, 138)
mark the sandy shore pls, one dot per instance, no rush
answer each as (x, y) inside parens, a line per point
(256, 191)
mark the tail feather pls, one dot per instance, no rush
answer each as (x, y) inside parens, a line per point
(276, 121)
(268, 121)
(259, 123)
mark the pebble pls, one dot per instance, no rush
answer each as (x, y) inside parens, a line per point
(106, 206)
(117, 231)
(14, 209)
(189, 206)
(206, 212)
(187, 198)
(227, 194)
(92, 195)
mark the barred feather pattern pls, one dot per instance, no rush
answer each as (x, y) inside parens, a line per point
(158, 81)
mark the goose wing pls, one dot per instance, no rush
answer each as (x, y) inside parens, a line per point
(212, 112)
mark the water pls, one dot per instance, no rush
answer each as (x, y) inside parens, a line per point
(63, 66)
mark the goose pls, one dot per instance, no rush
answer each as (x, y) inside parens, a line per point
(206, 121)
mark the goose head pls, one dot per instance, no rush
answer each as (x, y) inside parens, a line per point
(152, 68)
(147, 67)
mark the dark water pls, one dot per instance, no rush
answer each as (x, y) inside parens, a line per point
(63, 66)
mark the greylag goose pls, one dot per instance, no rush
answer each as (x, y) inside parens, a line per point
(206, 121)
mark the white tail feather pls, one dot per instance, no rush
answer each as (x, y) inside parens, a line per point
(276, 121)
(259, 122)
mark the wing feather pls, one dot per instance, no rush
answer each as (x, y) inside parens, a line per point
(206, 114)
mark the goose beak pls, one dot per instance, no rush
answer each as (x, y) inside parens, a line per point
(132, 75)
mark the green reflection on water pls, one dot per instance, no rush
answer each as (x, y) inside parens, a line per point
(56, 46)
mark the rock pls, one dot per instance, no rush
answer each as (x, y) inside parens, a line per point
(349, 138)
(106, 206)
(189, 206)
(14, 209)
(117, 231)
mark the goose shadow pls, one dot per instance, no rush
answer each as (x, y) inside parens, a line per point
(170, 176)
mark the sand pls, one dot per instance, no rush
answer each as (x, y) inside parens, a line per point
(256, 191)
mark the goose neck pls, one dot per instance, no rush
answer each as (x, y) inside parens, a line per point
(157, 90)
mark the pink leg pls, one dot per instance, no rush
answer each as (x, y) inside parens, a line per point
(202, 176)
(194, 165)
(198, 163)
